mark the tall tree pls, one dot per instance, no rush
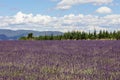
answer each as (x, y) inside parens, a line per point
(30, 36)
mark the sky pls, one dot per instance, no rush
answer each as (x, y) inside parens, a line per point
(60, 15)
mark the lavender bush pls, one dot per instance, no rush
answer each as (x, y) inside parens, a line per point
(60, 60)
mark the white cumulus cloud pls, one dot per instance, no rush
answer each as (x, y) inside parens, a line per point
(104, 10)
(69, 22)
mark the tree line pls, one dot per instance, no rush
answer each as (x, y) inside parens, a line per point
(77, 35)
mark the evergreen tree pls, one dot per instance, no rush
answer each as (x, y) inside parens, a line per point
(118, 35)
(76, 35)
(95, 34)
(30, 36)
(100, 35)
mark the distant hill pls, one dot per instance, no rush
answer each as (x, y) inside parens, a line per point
(6, 34)
(3, 37)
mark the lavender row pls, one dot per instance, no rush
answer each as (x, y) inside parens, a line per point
(60, 60)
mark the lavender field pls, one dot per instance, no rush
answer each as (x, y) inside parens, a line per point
(60, 60)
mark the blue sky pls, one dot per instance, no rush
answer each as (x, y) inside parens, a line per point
(60, 15)
(11, 7)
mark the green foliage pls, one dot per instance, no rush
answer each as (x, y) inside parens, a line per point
(88, 71)
(23, 38)
(76, 35)
(51, 70)
(30, 36)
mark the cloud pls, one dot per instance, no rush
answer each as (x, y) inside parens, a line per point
(104, 10)
(67, 4)
(63, 7)
(69, 22)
